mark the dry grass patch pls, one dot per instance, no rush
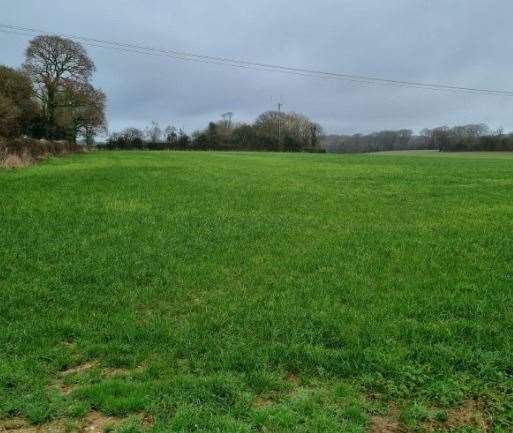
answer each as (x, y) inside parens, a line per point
(17, 161)
(23, 151)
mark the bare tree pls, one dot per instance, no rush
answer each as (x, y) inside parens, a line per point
(154, 133)
(270, 122)
(81, 111)
(53, 62)
(227, 119)
(171, 134)
(297, 129)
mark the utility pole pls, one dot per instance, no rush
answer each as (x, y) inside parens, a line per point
(280, 104)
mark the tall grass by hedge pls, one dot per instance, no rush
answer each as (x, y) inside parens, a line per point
(25, 151)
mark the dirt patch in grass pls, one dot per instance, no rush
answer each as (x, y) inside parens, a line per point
(97, 423)
(115, 372)
(385, 424)
(94, 422)
(79, 368)
(60, 384)
(293, 380)
(121, 372)
(265, 400)
(293, 386)
(11, 425)
(293, 383)
(147, 420)
(470, 414)
(105, 372)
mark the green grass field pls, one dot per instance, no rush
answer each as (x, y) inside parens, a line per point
(246, 292)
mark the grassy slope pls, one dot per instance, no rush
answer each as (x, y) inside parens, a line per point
(257, 291)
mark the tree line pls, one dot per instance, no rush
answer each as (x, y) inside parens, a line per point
(272, 131)
(472, 137)
(51, 96)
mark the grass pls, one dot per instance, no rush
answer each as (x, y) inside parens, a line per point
(246, 292)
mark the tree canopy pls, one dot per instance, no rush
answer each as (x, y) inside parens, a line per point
(17, 107)
(61, 71)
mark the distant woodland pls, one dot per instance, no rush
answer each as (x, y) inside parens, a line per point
(475, 137)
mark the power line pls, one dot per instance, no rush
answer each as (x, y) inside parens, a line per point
(131, 48)
(265, 67)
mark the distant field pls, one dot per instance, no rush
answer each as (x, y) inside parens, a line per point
(436, 153)
(253, 292)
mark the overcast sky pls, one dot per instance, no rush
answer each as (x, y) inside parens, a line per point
(457, 42)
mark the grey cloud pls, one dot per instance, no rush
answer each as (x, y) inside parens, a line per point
(460, 42)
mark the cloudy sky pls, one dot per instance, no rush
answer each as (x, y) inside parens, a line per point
(457, 42)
